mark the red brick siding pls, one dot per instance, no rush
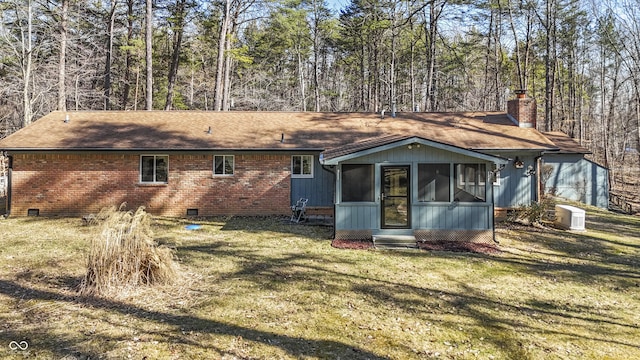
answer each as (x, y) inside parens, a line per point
(71, 185)
(524, 110)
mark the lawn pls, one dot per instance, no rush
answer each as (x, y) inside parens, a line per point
(261, 288)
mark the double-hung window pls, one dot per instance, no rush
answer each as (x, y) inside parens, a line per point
(223, 165)
(302, 166)
(154, 169)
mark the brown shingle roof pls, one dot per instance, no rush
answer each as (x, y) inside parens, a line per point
(188, 130)
(360, 145)
(565, 143)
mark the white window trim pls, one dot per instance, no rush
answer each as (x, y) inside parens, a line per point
(213, 170)
(302, 176)
(462, 177)
(154, 170)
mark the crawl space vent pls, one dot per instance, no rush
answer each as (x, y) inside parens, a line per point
(192, 212)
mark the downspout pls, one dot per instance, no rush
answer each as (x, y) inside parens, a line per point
(493, 217)
(493, 202)
(538, 162)
(9, 176)
(328, 169)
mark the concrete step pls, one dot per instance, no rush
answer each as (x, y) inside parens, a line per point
(394, 241)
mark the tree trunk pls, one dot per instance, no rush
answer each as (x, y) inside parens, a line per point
(228, 63)
(107, 62)
(149, 54)
(392, 67)
(222, 40)
(608, 129)
(27, 56)
(412, 69)
(521, 82)
(487, 61)
(550, 62)
(178, 30)
(316, 56)
(638, 124)
(363, 76)
(301, 82)
(135, 93)
(431, 33)
(62, 92)
(126, 86)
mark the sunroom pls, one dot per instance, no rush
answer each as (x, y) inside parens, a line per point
(410, 187)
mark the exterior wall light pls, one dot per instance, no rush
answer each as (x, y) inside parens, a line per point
(518, 164)
(530, 170)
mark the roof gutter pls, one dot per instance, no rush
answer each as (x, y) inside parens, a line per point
(65, 150)
(560, 151)
(515, 149)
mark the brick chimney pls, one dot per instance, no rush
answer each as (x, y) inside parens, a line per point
(522, 110)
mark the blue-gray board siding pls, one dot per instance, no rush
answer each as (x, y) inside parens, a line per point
(423, 154)
(515, 188)
(357, 217)
(576, 178)
(454, 216)
(319, 189)
(424, 215)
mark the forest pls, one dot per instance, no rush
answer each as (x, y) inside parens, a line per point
(579, 59)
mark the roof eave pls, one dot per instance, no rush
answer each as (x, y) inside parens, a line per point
(411, 140)
(517, 150)
(31, 150)
(559, 151)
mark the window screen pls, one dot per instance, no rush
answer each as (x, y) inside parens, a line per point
(434, 182)
(471, 182)
(357, 183)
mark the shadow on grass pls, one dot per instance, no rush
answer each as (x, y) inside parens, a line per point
(275, 224)
(291, 345)
(245, 224)
(575, 256)
(495, 320)
(579, 258)
(621, 224)
(35, 343)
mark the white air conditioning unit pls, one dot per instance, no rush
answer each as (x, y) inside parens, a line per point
(570, 217)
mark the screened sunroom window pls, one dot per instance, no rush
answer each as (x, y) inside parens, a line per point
(434, 182)
(154, 168)
(357, 183)
(471, 182)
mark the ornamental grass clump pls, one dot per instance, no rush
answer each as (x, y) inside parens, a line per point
(124, 255)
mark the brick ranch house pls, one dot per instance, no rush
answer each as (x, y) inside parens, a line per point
(424, 174)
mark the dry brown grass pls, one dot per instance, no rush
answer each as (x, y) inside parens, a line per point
(124, 255)
(262, 288)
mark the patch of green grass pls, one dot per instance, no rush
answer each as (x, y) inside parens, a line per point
(261, 288)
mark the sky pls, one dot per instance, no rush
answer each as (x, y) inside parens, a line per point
(337, 5)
